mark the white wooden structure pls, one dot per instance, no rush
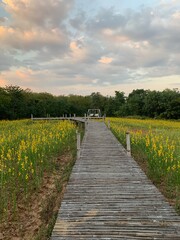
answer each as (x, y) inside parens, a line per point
(96, 113)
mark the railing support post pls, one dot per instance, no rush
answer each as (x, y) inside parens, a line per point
(86, 124)
(128, 143)
(78, 145)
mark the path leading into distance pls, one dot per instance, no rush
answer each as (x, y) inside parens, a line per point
(109, 196)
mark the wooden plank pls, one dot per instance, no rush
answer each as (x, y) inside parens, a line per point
(109, 196)
(76, 119)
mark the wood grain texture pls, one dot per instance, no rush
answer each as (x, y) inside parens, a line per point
(109, 196)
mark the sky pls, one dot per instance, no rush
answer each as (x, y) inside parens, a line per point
(82, 46)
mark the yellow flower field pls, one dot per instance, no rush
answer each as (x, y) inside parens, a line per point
(27, 150)
(158, 142)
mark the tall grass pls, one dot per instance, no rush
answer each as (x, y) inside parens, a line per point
(158, 142)
(28, 150)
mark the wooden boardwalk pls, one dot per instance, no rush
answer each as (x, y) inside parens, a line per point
(109, 197)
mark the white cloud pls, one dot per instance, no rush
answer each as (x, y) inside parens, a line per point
(36, 26)
(46, 41)
(32, 39)
(29, 13)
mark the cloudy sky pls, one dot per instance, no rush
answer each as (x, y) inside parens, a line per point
(84, 46)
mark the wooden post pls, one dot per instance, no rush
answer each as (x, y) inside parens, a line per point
(78, 145)
(85, 115)
(74, 115)
(86, 124)
(128, 143)
(31, 116)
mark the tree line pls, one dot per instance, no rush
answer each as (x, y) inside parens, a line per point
(17, 103)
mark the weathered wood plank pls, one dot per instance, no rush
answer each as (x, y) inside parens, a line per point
(76, 119)
(109, 196)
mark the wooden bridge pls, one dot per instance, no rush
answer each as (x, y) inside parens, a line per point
(109, 196)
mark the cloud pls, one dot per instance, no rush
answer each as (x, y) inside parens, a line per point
(139, 38)
(176, 16)
(36, 26)
(34, 39)
(105, 60)
(78, 51)
(6, 60)
(46, 41)
(2, 81)
(29, 13)
(3, 19)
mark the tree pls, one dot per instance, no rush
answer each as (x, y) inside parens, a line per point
(97, 101)
(78, 104)
(109, 106)
(136, 102)
(152, 104)
(4, 103)
(169, 103)
(42, 104)
(16, 104)
(119, 102)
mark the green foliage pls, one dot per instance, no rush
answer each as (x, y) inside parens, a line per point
(16, 103)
